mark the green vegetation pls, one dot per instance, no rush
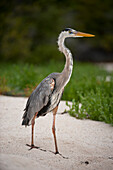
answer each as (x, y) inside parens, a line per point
(94, 90)
(89, 85)
(21, 79)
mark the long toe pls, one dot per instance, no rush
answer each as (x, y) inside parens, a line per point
(32, 146)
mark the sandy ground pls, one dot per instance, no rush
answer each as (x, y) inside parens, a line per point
(84, 144)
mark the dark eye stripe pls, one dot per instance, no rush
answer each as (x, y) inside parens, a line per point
(67, 29)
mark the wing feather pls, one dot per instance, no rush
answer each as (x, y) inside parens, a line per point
(39, 98)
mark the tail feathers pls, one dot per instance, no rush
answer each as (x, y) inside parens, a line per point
(25, 121)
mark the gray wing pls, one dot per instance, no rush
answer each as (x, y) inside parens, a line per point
(38, 99)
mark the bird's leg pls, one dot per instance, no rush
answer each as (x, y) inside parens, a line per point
(53, 129)
(32, 137)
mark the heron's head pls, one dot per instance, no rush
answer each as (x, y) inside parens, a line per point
(68, 32)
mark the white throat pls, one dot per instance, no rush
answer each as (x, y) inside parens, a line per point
(69, 60)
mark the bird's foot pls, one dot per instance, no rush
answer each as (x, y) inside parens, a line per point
(32, 146)
(57, 153)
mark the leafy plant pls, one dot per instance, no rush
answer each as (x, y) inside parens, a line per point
(96, 105)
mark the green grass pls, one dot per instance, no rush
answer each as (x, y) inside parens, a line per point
(21, 79)
(87, 86)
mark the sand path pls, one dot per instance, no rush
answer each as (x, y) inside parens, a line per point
(87, 144)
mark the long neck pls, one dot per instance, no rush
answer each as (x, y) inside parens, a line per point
(67, 71)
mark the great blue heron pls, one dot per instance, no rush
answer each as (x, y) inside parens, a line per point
(47, 95)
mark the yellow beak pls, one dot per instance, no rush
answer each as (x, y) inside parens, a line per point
(81, 34)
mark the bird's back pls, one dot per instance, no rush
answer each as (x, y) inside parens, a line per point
(43, 99)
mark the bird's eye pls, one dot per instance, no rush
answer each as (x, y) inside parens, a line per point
(70, 32)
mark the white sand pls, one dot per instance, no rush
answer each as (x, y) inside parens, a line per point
(87, 144)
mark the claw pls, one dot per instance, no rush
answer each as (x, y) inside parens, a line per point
(60, 155)
(57, 153)
(32, 146)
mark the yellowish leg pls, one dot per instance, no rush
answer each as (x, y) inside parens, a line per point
(53, 129)
(32, 137)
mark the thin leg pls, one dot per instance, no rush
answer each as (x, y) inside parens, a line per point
(53, 129)
(32, 137)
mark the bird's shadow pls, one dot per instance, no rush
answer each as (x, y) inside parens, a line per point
(36, 147)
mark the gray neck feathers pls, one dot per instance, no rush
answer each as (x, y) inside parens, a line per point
(67, 71)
